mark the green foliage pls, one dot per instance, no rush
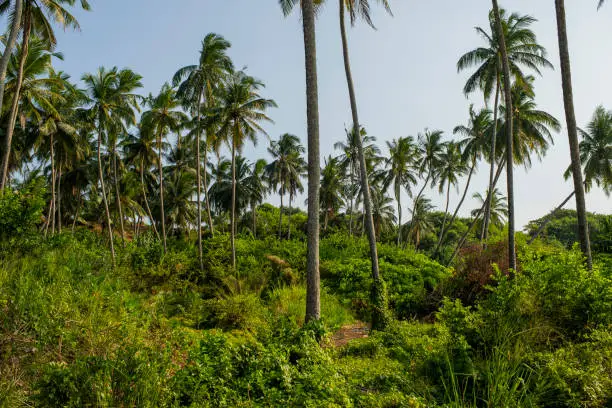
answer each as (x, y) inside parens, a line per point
(20, 212)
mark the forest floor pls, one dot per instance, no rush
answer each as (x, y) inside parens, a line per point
(357, 330)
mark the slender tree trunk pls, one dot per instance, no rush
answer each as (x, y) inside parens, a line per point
(199, 183)
(509, 139)
(59, 200)
(500, 167)
(101, 176)
(233, 214)
(313, 290)
(254, 210)
(53, 196)
(280, 218)
(206, 198)
(452, 220)
(378, 298)
(487, 216)
(572, 133)
(8, 52)
(161, 190)
(10, 129)
(76, 214)
(118, 197)
(48, 221)
(399, 218)
(144, 196)
(550, 217)
(351, 214)
(289, 217)
(445, 214)
(416, 199)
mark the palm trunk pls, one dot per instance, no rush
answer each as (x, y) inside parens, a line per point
(254, 210)
(101, 176)
(144, 196)
(399, 218)
(313, 290)
(199, 183)
(509, 140)
(550, 217)
(487, 216)
(8, 51)
(351, 193)
(379, 299)
(289, 217)
(76, 214)
(208, 212)
(160, 168)
(53, 196)
(452, 220)
(500, 167)
(59, 200)
(416, 199)
(280, 218)
(118, 197)
(48, 221)
(572, 133)
(445, 214)
(10, 129)
(233, 214)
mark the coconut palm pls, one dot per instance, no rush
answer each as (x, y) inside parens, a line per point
(382, 210)
(197, 85)
(572, 131)
(331, 189)
(258, 188)
(421, 221)
(402, 172)
(286, 170)
(111, 108)
(499, 207)
(162, 119)
(11, 41)
(34, 18)
(242, 110)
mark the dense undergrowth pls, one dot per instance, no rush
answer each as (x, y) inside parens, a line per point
(157, 332)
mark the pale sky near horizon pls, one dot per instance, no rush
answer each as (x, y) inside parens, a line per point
(405, 72)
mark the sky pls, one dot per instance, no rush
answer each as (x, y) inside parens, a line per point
(405, 71)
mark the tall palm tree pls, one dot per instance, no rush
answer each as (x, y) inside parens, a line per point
(286, 169)
(499, 207)
(197, 85)
(402, 169)
(313, 293)
(523, 51)
(163, 118)
(34, 18)
(15, 23)
(453, 166)
(572, 131)
(242, 110)
(331, 189)
(382, 210)
(509, 137)
(111, 108)
(421, 221)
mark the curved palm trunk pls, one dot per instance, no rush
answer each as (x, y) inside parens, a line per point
(572, 132)
(233, 214)
(313, 290)
(59, 200)
(487, 217)
(445, 216)
(452, 220)
(199, 183)
(10, 46)
(160, 168)
(10, 129)
(53, 196)
(144, 196)
(379, 299)
(500, 167)
(549, 218)
(280, 218)
(101, 176)
(509, 140)
(118, 197)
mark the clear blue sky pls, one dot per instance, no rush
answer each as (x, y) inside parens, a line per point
(405, 72)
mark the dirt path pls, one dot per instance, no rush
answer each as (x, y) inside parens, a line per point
(357, 330)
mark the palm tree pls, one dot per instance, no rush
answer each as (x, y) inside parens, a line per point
(163, 118)
(382, 210)
(112, 105)
(285, 171)
(572, 131)
(421, 221)
(242, 110)
(499, 207)
(509, 137)
(331, 189)
(453, 166)
(257, 189)
(523, 50)
(34, 17)
(197, 85)
(313, 291)
(402, 168)
(10, 44)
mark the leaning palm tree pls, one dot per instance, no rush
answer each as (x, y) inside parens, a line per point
(242, 110)
(402, 169)
(163, 118)
(34, 19)
(572, 131)
(286, 169)
(196, 85)
(111, 108)
(523, 51)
